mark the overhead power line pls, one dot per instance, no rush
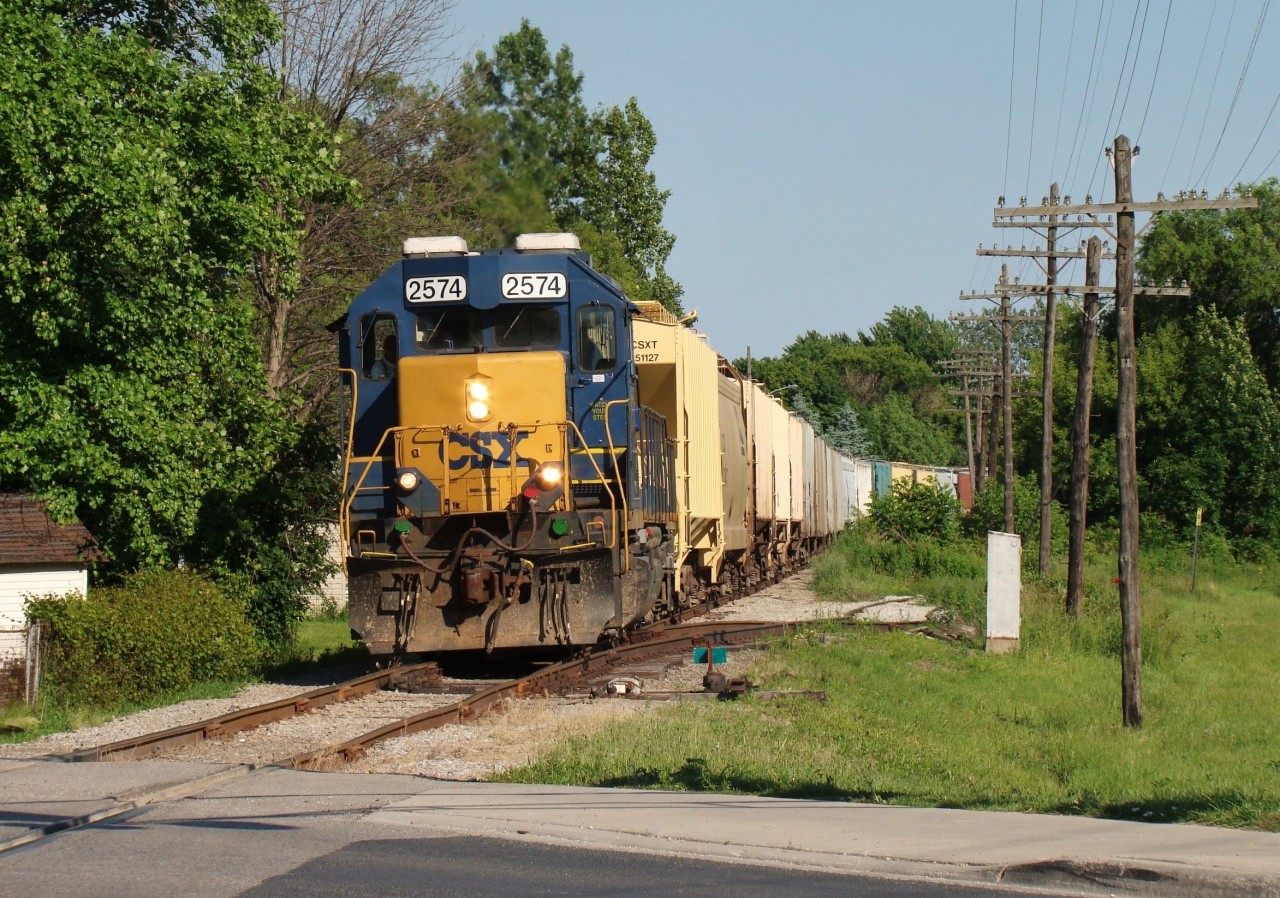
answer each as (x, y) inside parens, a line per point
(1013, 68)
(1222, 54)
(1155, 76)
(1253, 44)
(1195, 79)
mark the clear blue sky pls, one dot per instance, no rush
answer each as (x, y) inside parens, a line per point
(830, 159)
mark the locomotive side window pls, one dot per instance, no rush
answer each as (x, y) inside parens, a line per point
(597, 338)
(381, 349)
(448, 330)
(526, 327)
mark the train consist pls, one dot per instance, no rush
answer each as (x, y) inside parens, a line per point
(534, 460)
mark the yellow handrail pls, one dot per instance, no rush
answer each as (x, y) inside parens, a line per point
(349, 492)
(591, 458)
(613, 452)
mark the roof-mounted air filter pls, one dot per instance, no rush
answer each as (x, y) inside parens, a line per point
(548, 243)
(426, 247)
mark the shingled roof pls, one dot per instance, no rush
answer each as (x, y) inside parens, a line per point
(29, 536)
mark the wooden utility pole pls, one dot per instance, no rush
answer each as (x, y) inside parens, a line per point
(1080, 433)
(1005, 291)
(1006, 405)
(975, 370)
(1126, 442)
(1046, 426)
(1051, 255)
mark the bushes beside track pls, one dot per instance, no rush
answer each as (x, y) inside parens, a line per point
(155, 633)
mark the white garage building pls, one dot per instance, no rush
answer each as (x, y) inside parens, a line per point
(37, 557)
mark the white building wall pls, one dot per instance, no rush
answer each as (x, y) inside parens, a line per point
(335, 588)
(19, 581)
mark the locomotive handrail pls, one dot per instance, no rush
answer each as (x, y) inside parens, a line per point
(350, 492)
(586, 446)
(344, 519)
(622, 487)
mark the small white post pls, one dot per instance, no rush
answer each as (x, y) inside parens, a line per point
(1004, 592)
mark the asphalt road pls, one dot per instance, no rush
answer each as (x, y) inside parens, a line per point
(288, 832)
(467, 867)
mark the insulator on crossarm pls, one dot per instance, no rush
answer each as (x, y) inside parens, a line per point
(1159, 197)
(1000, 202)
(1088, 199)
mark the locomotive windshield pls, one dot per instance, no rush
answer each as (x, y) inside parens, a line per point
(526, 327)
(449, 330)
(463, 329)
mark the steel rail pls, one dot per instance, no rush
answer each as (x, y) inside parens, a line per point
(141, 747)
(665, 641)
(243, 719)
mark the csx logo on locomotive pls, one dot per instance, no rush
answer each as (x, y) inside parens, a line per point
(487, 449)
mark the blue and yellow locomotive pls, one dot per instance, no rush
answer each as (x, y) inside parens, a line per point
(495, 455)
(534, 460)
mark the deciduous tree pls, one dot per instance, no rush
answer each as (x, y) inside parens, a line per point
(547, 159)
(135, 187)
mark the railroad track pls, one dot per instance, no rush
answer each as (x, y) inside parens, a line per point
(662, 639)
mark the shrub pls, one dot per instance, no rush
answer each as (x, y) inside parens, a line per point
(988, 515)
(914, 510)
(158, 632)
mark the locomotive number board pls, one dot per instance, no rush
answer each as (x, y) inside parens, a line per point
(535, 285)
(442, 288)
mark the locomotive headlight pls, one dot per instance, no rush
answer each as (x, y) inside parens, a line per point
(407, 481)
(545, 485)
(477, 398)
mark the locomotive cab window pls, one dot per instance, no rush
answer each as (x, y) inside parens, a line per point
(380, 349)
(449, 330)
(597, 338)
(526, 327)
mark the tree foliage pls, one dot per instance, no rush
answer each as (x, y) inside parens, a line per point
(546, 162)
(916, 332)
(914, 510)
(1231, 261)
(363, 78)
(876, 395)
(1214, 428)
(135, 188)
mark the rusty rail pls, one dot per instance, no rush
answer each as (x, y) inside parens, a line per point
(244, 719)
(660, 642)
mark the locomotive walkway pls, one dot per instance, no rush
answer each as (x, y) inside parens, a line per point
(276, 820)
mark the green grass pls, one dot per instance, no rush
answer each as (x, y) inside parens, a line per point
(920, 722)
(320, 641)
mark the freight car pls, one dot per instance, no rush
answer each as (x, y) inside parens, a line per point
(534, 460)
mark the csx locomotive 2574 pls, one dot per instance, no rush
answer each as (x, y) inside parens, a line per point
(534, 460)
